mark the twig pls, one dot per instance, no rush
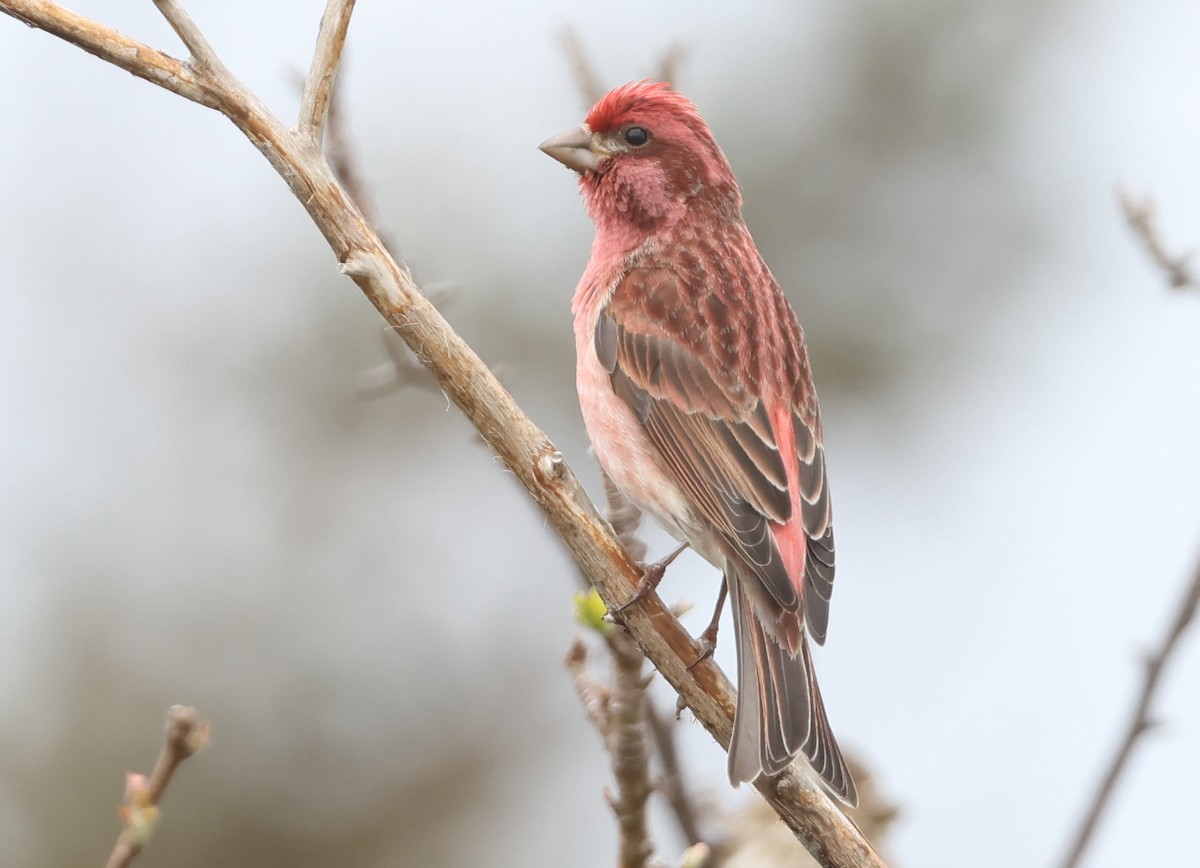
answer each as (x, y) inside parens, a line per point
(586, 81)
(342, 159)
(624, 516)
(523, 448)
(590, 85)
(617, 715)
(115, 48)
(669, 63)
(140, 812)
(399, 372)
(592, 693)
(1140, 216)
(1140, 721)
(318, 90)
(671, 783)
(630, 755)
(204, 58)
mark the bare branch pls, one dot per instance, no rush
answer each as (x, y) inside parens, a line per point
(586, 81)
(1140, 216)
(399, 372)
(592, 693)
(524, 449)
(624, 516)
(672, 784)
(617, 715)
(589, 83)
(1139, 720)
(669, 63)
(342, 159)
(204, 58)
(116, 48)
(627, 746)
(142, 796)
(318, 90)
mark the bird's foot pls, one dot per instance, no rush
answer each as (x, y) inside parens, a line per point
(652, 574)
(708, 639)
(708, 644)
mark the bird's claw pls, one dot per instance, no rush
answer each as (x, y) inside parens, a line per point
(708, 639)
(652, 574)
(708, 644)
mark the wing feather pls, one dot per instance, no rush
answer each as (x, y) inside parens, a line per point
(670, 361)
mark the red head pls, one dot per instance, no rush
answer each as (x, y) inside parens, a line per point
(645, 157)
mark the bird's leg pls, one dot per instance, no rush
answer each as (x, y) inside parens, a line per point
(708, 639)
(652, 574)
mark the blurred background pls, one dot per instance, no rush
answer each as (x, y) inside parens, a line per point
(197, 507)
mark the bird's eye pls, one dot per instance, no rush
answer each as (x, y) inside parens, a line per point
(637, 136)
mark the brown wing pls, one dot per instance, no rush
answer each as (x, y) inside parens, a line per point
(671, 357)
(708, 421)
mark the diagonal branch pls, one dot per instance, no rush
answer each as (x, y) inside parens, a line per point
(671, 784)
(318, 90)
(1140, 216)
(523, 448)
(115, 48)
(203, 56)
(1141, 219)
(617, 714)
(587, 82)
(1140, 721)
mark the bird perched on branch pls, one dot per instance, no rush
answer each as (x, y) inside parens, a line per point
(695, 388)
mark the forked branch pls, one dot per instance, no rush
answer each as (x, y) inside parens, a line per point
(523, 448)
(318, 89)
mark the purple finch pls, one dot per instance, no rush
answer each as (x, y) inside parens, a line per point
(696, 391)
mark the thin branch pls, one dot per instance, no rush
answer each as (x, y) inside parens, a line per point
(115, 48)
(318, 90)
(1141, 218)
(139, 814)
(524, 449)
(399, 372)
(630, 754)
(587, 82)
(670, 62)
(204, 58)
(592, 694)
(1140, 721)
(624, 516)
(617, 714)
(343, 160)
(671, 784)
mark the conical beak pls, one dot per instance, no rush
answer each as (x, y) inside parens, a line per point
(576, 149)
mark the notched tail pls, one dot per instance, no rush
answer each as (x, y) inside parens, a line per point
(780, 713)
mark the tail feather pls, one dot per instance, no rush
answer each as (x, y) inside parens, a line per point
(779, 709)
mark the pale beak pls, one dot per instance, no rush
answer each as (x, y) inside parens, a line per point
(576, 149)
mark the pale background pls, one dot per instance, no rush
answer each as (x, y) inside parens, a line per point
(196, 508)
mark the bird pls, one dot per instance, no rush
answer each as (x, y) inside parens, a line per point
(697, 395)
